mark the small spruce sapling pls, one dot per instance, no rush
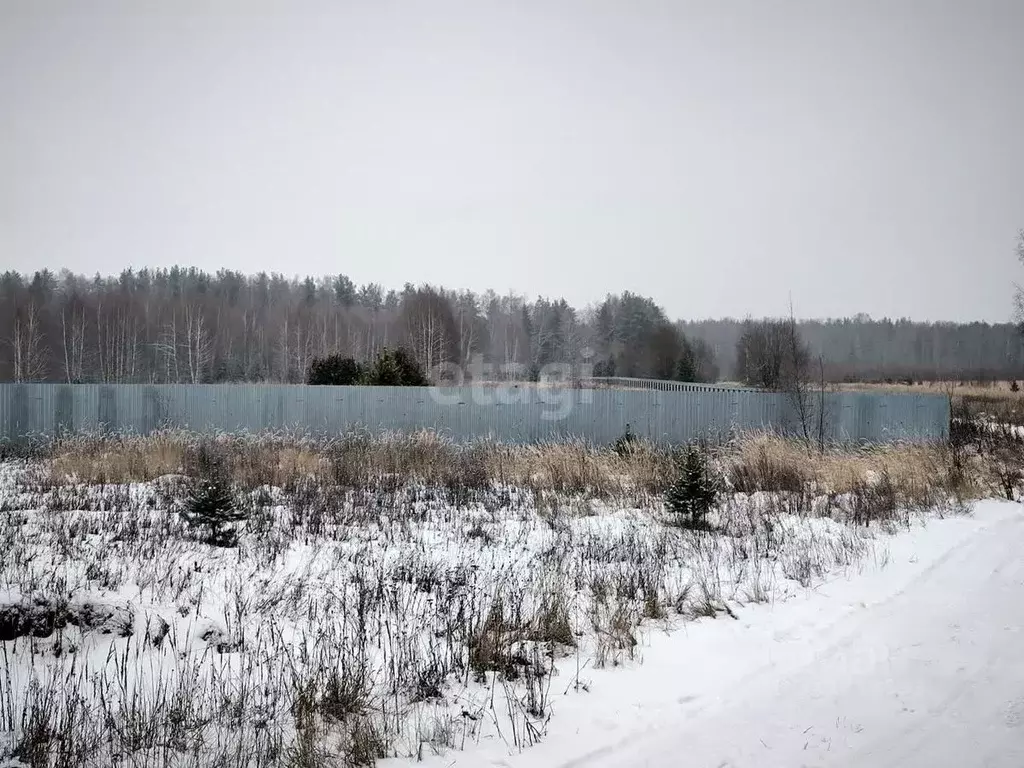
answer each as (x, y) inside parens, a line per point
(695, 491)
(626, 443)
(210, 503)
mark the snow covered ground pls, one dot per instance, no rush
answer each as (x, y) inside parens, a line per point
(917, 663)
(511, 629)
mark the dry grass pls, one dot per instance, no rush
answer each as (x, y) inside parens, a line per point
(427, 458)
(957, 388)
(358, 462)
(117, 459)
(769, 463)
(979, 462)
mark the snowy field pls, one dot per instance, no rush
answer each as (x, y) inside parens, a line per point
(505, 628)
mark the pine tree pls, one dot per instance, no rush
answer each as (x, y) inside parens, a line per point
(385, 371)
(686, 366)
(695, 491)
(410, 374)
(396, 368)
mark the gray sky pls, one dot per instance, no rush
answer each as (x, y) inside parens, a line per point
(717, 156)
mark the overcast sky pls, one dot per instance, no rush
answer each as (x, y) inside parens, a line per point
(717, 156)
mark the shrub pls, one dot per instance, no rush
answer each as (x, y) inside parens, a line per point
(695, 492)
(210, 503)
(875, 501)
(334, 370)
(1014, 386)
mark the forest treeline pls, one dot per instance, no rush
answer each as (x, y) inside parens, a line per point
(190, 326)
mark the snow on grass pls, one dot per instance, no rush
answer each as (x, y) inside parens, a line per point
(350, 627)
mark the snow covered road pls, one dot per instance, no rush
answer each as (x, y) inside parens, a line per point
(933, 675)
(916, 661)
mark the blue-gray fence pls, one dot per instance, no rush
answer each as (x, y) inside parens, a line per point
(507, 413)
(664, 385)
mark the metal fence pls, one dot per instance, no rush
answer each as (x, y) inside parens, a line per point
(663, 385)
(507, 413)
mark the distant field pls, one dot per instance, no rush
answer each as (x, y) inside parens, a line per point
(997, 389)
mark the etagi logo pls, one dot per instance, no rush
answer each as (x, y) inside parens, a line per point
(559, 387)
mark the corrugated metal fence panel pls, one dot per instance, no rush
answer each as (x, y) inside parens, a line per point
(663, 385)
(512, 413)
(885, 417)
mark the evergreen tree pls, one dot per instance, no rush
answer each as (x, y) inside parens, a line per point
(384, 372)
(410, 374)
(334, 370)
(695, 492)
(396, 368)
(210, 504)
(686, 366)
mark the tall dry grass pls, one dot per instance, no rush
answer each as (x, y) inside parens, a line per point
(752, 463)
(362, 461)
(916, 474)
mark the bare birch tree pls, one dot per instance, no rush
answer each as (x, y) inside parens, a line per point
(198, 343)
(430, 328)
(168, 347)
(72, 323)
(29, 363)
